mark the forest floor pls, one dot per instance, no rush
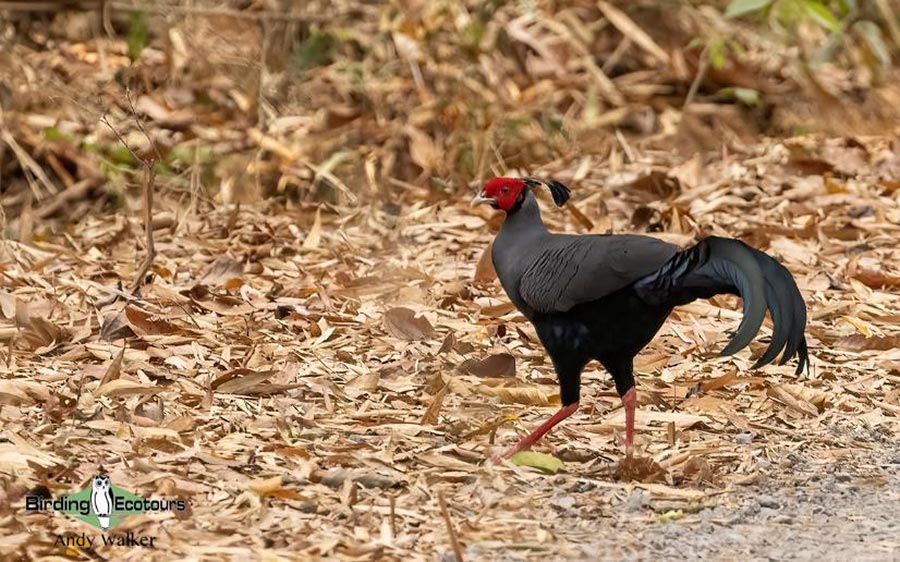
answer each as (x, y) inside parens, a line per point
(320, 360)
(313, 380)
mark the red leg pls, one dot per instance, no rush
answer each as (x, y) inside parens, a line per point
(629, 400)
(526, 442)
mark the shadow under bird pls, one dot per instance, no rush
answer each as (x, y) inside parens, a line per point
(605, 297)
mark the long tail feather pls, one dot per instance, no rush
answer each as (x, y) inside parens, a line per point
(720, 265)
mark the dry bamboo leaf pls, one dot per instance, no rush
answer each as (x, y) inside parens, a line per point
(403, 323)
(423, 150)
(124, 387)
(484, 271)
(520, 395)
(266, 486)
(248, 382)
(434, 409)
(314, 236)
(115, 367)
(818, 398)
(631, 30)
(781, 394)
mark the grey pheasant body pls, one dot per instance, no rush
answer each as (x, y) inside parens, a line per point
(604, 297)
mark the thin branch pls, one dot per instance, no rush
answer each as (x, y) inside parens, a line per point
(148, 184)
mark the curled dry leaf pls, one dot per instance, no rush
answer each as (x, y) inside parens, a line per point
(115, 367)
(403, 323)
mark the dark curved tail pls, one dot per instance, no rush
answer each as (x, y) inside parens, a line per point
(721, 265)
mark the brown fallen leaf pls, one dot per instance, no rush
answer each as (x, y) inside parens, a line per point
(877, 279)
(42, 336)
(859, 342)
(225, 305)
(367, 382)
(403, 323)
(498, 365)
(115, 327)
(22, 392)
(219, 272)
(641, 469)
(146, 324)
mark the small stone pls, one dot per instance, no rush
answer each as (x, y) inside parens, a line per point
(744, 438)
(768, 501)
(563, 503)
(635, 502)
(784, 519)
(842, 477)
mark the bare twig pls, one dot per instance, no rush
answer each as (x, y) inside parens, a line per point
(148, 183)
(702, 67)
(454, 540)
(147, 186)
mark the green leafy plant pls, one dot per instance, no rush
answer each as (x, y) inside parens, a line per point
(840, 19)
(138, 34)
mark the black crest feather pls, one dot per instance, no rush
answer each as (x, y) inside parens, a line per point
(559, 191)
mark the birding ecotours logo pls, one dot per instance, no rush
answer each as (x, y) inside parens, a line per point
(102, 505)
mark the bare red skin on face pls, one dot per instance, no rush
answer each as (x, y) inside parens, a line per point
(504, 192)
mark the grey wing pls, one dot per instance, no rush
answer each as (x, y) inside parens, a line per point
(573, 270)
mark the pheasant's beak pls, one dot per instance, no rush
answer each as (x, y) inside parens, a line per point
(480, 198)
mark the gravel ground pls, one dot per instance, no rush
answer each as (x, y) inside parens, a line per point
(834, 511)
